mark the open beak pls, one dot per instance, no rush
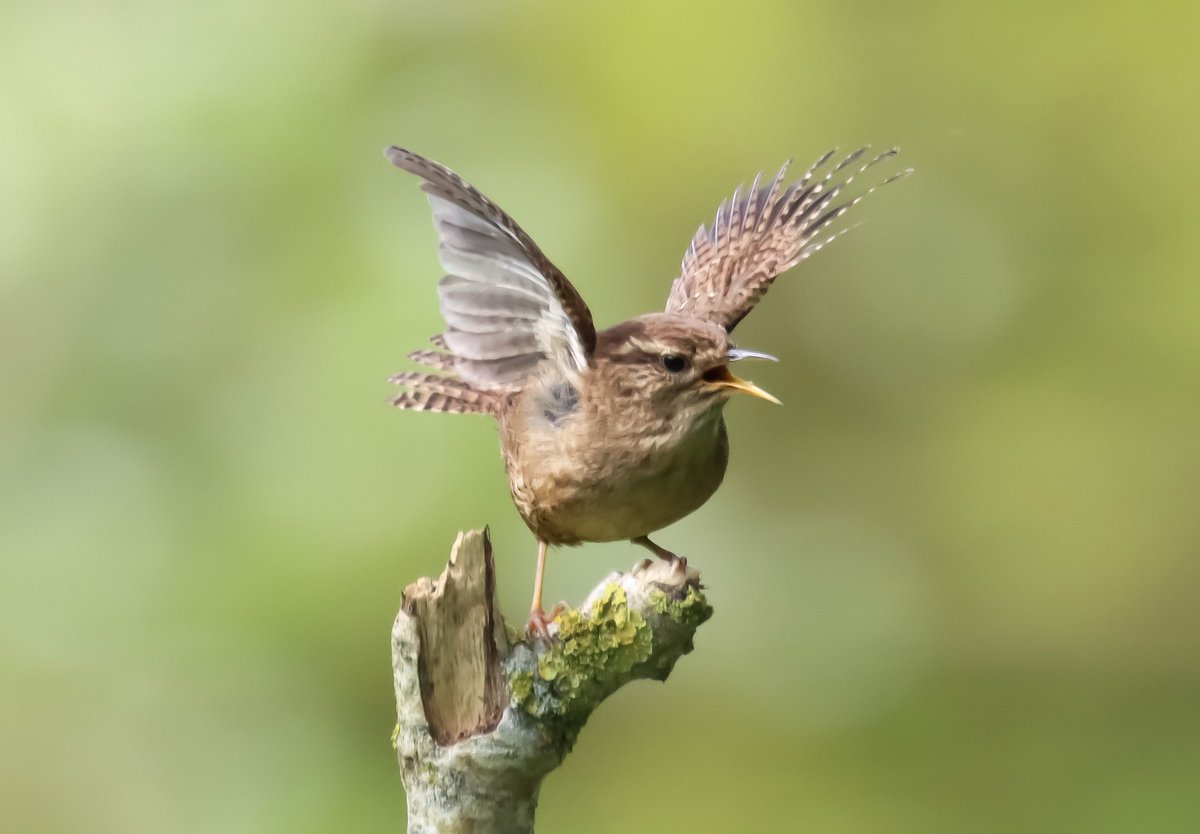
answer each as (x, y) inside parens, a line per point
(741, 353)
(722, 377)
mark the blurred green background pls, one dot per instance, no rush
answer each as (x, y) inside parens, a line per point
(955, 577)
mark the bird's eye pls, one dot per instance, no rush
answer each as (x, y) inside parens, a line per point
(674, 363)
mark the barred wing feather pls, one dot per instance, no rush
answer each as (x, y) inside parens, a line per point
(507, 308)
(761, 235)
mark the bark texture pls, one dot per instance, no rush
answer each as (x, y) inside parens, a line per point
(482, 717)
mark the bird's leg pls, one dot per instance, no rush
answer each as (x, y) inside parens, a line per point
(538, 621)
(660, 552)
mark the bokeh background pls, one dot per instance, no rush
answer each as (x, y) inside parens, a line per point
(955, 577)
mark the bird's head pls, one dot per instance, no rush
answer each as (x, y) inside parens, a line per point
(679, 363)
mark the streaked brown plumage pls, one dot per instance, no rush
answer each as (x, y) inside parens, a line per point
(610, 435)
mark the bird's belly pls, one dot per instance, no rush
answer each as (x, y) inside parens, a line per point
(626, 496)
(637, 507)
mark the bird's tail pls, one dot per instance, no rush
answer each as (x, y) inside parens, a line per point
(438, 392)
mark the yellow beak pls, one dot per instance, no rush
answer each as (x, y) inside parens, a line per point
(722, 377)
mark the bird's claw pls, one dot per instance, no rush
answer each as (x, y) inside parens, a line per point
(539, 623)
(673, 559)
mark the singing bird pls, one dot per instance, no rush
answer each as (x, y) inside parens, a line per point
(614, 434)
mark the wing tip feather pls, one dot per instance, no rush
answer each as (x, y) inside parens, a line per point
(790, 224)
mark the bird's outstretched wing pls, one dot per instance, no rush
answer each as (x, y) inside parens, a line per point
(506, 306)
(757, 237)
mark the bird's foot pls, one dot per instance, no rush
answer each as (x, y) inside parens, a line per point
(539, 623)
(662, 552)
(675, 559)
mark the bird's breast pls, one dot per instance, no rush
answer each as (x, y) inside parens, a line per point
(589, 476)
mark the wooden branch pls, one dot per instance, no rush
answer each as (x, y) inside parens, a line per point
(483, 717)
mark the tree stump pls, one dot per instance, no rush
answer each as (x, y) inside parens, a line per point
(483, 717)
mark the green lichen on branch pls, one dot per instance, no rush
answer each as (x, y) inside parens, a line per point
(689, 612)
(593, 652)
(609, 641)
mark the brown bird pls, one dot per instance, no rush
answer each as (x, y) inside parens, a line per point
(614, 434)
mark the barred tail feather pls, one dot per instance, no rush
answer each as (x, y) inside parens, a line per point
(430, 392)
(436, 359)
